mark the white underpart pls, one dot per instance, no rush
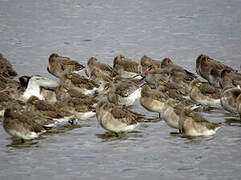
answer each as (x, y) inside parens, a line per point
(130, 75)
(2, 112)
(128, 101)
(85, 115)
(27, 136)
(193, 107)
(78, 72)
(213, 102)
(91, 92)
(61, 121)
(33, 89)
(122, 127)
(208, 132)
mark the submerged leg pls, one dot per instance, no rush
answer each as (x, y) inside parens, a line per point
(116, 134)
(159, 115)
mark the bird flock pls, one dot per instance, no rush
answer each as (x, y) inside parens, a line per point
(34, 104)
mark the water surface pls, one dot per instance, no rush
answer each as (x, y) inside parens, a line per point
(31, 30)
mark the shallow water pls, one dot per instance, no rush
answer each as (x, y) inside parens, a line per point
(181, 30)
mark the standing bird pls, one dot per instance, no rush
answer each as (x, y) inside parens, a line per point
(172, 68)
(229, 94)
(123, 93)
(193, 124)
(231, 76)
(59, 65)
(93, 64)
(116, 119)
(210, 69)
(21, 125)
(146, 62)
(100, 78)
(152, 100)
(229, 99)
(127, 68)
(80, 83)
(205, 94)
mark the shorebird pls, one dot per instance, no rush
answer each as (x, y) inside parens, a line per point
(229, 99)
(82, 109)
(173, 90)
(210, 69)
(193, 124)
(59, 114)
(229, 94)
(204, 94)
(93, 63)
(83, 85)
(152, 75)
(171, 112)
(100, 78)
(167, 64)
(116, 119)
(63, 92)
(123, 93)
(146, 62)
(11, 86)
(152, 100)
(21, 125)
(127, 68)
(6, 101)
(180, 80)
(59, 65)
(227, 75)
(6, 68)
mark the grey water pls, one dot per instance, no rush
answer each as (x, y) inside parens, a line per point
(180, 29)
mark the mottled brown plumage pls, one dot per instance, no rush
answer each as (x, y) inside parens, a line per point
(193, 124)
(172, 68)
(209, 90)
(229, 99)
(59, 65)
(116, 119)
(204, 93)
(49, 110)
(146, 62)
(120, 62)
(21, 125)
(210, 69)
(79, 83)
(154, 94)
(125, 92)
(6, 68)
(104, 68)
